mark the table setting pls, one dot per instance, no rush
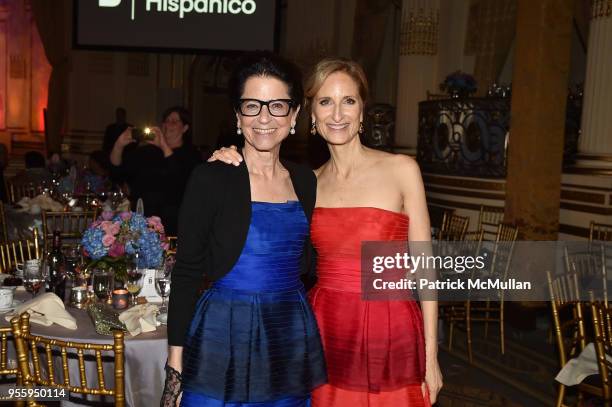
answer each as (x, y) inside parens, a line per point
(118, 277)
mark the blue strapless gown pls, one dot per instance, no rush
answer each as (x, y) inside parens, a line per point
(253, 340)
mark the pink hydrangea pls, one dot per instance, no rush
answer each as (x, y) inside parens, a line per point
(108, 240)
(116, 250)
(156, 224)
(126, 215)
(115, 228)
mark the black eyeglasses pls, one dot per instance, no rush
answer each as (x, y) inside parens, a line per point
(276, 107)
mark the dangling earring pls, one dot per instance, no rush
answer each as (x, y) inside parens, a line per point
(361, 130)
(292, 131)
(313, 129)
(238, 131)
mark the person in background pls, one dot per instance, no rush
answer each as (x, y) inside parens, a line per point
(35, 172)
(93, 178)
(57, 165)
(157, 172)
(114, 130)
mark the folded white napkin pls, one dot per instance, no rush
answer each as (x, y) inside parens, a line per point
(577, 369)
(44, 202)
(45, 309)
(140, 318)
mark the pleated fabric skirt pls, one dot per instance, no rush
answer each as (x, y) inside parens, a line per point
(254, 340)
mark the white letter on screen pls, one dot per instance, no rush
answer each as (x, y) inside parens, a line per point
(185, 9)
(252, 6)
(200, 6)
(108, 3)
(158, 2)
(217, 3)
(232, 9)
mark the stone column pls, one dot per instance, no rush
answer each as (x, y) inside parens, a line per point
(417, 66)
(541, 69)
(595, 143)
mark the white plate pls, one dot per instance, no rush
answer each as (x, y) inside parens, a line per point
(12, 306)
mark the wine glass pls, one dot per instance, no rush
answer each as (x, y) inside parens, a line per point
(135, 281)
(162, 286)
(102, 282)
(33, 279)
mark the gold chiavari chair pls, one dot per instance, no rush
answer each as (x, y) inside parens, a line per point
(36, 372)
(7, 372)
(591, 266)
(569, 325)
(70, 224)
(600, 231)
(454, 227)
(459, 312)
(17, 190)
(602, 330)
(12, 253)
(488, 219)
(491, 310)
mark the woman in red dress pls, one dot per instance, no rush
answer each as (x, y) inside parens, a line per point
(378, 353)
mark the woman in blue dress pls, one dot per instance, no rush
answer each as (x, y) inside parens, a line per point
(251, 339)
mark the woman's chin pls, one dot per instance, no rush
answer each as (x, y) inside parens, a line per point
(339, 138)
(265, 143)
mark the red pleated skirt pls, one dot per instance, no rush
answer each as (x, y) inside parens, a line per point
(374, 350)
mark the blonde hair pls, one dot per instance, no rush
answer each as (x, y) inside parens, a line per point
(328, 66)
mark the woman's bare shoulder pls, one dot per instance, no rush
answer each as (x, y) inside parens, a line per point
(396, 163)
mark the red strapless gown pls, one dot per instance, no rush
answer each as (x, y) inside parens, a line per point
(374, 350)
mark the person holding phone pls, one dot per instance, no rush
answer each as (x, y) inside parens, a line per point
(157, 171)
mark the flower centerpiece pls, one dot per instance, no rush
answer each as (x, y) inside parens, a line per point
(113, 239)
(459, 84)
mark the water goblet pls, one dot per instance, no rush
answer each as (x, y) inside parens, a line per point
(162, 286)
(102, 282)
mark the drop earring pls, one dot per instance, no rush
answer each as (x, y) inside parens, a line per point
(292, 131)
(238, 131)
(361, 130)
(313, 129)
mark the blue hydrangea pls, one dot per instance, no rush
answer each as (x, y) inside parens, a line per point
(92, 241)
(142, 240)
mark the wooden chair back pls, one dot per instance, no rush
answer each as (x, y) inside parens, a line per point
(12, 253)
(70, 224)
(454, 227)
(488, 219)
(602, 329)
(16, 190)
(568, 320)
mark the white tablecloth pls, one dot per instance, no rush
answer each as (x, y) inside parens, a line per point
(145, 357)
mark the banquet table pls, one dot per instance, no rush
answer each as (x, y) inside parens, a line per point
(145, 357)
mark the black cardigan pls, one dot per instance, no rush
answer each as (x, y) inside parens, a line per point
(213, 224)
